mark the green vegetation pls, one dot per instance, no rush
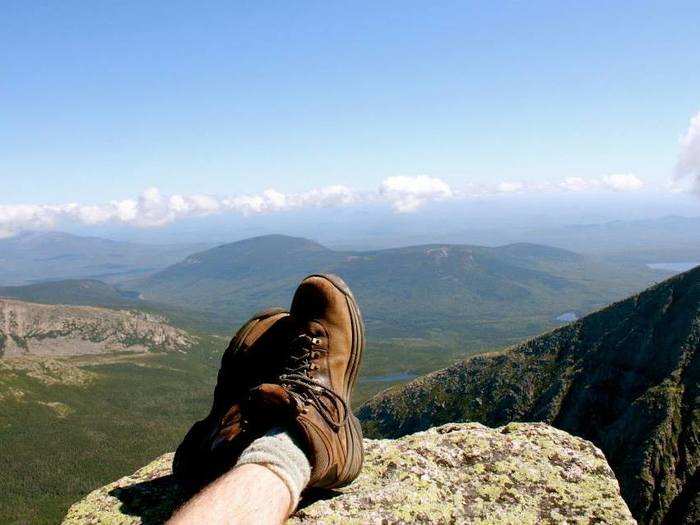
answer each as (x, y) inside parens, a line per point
(59, 441)
(69, 425)
(422, 291)
(86, 292)
(626, 377)
(461, 298)
(72, 424)
(425, 307)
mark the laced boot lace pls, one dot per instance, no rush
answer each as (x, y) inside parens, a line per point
(304, 389)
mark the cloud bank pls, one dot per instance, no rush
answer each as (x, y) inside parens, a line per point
(407, 194)
(688, 166)
(614, 182)
(403, 194)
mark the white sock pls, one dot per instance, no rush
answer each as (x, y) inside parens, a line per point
(277, 451)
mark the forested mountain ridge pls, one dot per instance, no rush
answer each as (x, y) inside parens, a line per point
(626, 377)
(415, 291)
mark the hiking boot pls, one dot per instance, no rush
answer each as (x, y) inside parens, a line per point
(255, 355)
(313, 391)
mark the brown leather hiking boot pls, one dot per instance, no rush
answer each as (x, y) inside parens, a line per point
(315, 387)
(255, 355)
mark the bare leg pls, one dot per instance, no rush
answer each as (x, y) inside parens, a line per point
(246, 495)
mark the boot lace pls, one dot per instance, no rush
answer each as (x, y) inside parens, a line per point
(305, 389)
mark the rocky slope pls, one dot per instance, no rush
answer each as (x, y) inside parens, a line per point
(457, 473)
(627, 378)
(31, 329)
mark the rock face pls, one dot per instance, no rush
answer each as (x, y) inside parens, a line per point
(456, 473)
(627, 378)
(31, 329)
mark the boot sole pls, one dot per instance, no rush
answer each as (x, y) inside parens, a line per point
(197, 434)
(353, 429)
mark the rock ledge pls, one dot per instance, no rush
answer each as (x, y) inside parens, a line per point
(464, 473)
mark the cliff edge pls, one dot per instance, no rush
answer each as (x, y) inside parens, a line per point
(456, 473)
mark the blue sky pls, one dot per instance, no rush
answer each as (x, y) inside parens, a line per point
(101, 100)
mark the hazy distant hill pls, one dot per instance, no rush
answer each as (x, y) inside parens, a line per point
(626, 377)
(415, 291)
(664, 239)
(43, 256)
(86, 292)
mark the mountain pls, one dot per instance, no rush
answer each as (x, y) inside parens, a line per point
(43, 256)
(77, 292)
(626, 377)
(399, 287)
(424, 306)
(31, 329)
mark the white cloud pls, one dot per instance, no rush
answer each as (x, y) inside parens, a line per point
(407, 194)
(271, 200)
(622, 182)
(16, 216)
(510, 187)
(404, 194)
(575, 184)
(688, 165)
(614, 182)
(152, 208)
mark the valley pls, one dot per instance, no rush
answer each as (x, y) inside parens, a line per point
(625, 377)
(100, 377)
(424, 306)
(67, 425)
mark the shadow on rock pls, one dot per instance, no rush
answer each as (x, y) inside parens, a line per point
(153, 501)
(311, 496)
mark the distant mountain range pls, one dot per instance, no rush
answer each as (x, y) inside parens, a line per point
(424, 306)
(665, 239)
(42, 256)
(416, 291)
(626, 377)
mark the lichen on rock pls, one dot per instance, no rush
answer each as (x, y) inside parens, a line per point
(457, 473)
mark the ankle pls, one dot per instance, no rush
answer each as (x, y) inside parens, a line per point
(278, 452)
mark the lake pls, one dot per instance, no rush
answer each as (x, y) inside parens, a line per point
(568, 317)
